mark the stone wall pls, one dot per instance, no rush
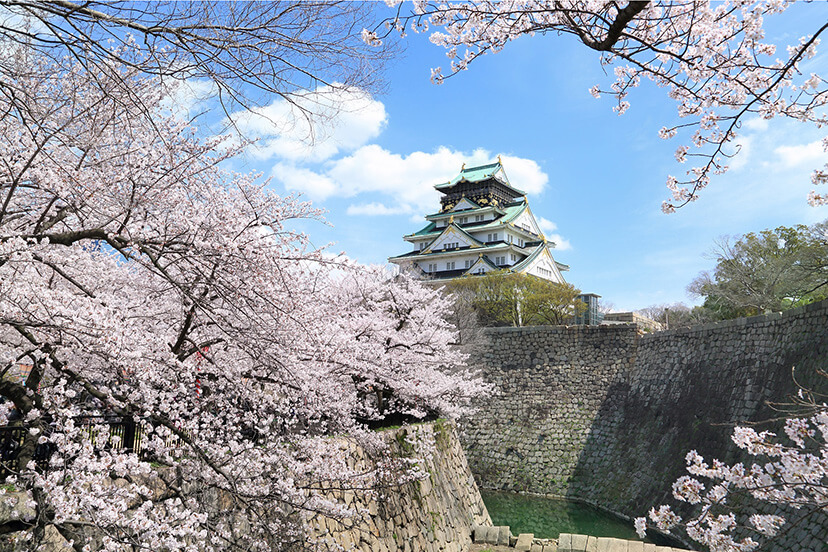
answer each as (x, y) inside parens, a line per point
(603, 415)
(436, 514)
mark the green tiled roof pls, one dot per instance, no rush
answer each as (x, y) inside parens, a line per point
(477, 174)
(487, 261)
(525, 262)
(481, 249)
(425, 231)
(510, 214)
(464, 213)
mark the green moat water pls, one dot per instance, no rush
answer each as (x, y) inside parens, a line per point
(549, 517)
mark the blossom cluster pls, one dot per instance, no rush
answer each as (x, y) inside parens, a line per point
(793, 476)
(142, 281)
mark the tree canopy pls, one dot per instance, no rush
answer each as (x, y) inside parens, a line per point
(141, 281)
(508, 299)
(766, 271)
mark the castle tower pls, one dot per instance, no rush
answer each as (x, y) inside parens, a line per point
(484, 225)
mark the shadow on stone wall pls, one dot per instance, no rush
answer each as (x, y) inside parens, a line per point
(604, 416)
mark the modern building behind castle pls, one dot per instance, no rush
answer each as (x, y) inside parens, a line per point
(484, 225)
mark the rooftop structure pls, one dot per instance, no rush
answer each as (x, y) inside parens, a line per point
(484, 225)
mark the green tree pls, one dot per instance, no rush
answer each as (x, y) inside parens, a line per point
(507, 299)
(769, 270)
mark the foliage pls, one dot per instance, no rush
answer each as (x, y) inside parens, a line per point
(141, 280)
(503, 298)
(710, 56)
(792, 474)
(678, 315)
(770, 270)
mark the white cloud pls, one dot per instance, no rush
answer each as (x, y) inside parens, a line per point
(374, 208)
(744, 146)
(407, 179)
(524, 174)
(189, 96)
(757, 124)
(342, 120)
(317, 186)
(548, 227)
(793, 156)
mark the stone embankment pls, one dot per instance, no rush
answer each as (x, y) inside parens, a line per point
(500, 539)
(436, 514)
(603, 415)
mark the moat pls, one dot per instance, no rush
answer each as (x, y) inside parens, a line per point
(548, 517)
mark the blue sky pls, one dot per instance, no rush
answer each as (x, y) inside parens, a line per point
(596, 178)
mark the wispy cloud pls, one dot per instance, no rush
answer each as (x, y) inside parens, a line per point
(548, 227)
(792, 156)
(314, 126)
(405, 182)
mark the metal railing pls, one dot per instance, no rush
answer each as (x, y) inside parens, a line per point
(106, 432)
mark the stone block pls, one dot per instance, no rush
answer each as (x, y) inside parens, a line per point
(503, 535)
(565, 542)
(616, 545)
(635, 546)
(649, 547)
(490, 536)
(550, 547)
(592, 544)
(479, 533)
(603, 545)
(579, 543)
(524, 542)
(536, 547)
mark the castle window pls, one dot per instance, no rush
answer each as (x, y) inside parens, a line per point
(450, 266)
(545, 272)
(432, 267)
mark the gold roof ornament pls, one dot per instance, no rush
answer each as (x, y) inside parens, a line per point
(463, 168)
(451, 219)
(498, 160)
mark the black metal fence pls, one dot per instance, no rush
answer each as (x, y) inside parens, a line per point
(105, 432)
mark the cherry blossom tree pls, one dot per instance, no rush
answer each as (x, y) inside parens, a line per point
(141, 280)
(711, 57)
(790, 473)
(248, 52)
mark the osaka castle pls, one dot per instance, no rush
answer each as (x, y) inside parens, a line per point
(484, 224)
